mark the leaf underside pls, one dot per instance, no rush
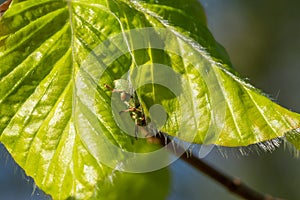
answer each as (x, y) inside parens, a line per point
(55, 57)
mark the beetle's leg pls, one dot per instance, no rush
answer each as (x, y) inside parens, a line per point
(108, 87)
(128, 110)
(112, 89)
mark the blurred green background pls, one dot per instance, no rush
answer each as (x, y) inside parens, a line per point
(263, 41)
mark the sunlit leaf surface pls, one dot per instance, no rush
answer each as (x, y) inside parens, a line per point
(56, 116)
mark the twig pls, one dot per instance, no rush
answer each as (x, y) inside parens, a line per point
(4, 6)
(234, 185)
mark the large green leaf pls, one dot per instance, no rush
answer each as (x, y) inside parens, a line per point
(40, 56)
(63, 127)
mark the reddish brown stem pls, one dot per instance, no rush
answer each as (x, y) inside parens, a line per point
(234, 185)
(4, 6)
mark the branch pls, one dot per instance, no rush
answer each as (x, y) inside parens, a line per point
(234, 185)
(4, 6)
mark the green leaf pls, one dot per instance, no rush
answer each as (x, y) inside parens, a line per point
(63, 126)
(294, 138)
(40, 54)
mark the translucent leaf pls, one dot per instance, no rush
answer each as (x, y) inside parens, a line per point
(294, 138)
(64, 127)
(41, 49)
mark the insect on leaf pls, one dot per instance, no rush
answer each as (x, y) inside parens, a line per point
(63, 127)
